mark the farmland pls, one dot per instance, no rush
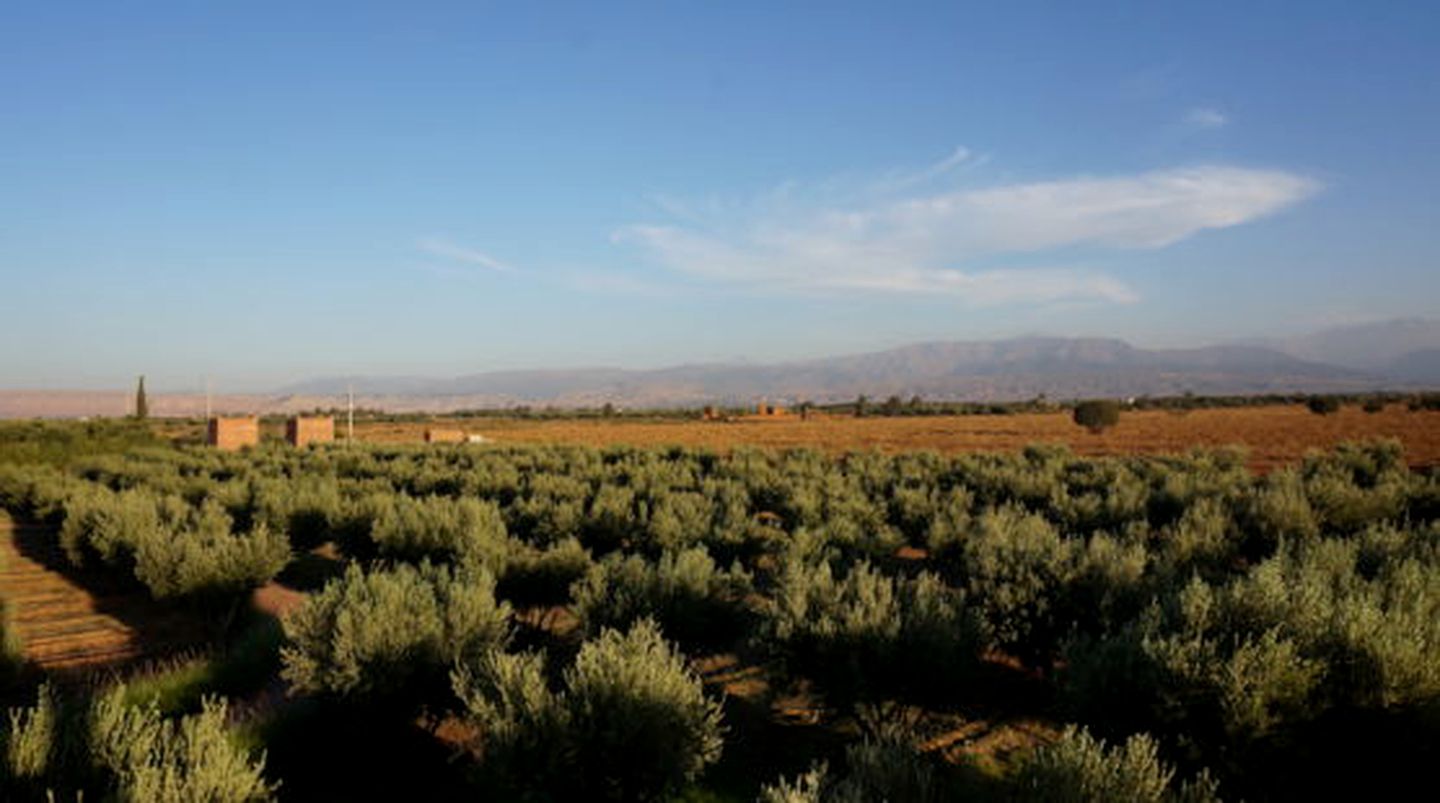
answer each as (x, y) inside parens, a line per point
(449, 621)
(1272, 435)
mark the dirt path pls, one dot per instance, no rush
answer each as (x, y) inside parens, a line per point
(64, 626)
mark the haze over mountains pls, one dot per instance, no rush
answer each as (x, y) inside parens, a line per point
(1397, 355)
(1407, 348)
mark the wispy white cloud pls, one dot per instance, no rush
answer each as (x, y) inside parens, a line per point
(439, 247)
(1206, 117)
(900, 180)
(910, 237)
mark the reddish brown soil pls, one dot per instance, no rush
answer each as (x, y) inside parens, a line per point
(64, 626)
(1273, 435)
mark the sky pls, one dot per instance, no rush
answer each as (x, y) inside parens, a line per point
(262, 192)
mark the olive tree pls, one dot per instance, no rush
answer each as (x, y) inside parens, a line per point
(391, 632)
(629, 720)
(1097, 415)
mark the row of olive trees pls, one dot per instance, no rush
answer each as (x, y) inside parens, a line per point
(108, 749)
(625, 720)
(1229, 610)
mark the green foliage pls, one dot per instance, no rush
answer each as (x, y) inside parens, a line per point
(32, 739)
(12, 651)
(392, 632)
(208, 560)
(544, 576)
(884, 768)
(640, 719)
(524, 725)
(1322, 625)
(808, 787)
(173, 548)
(459, 530)
(1016, 566)
(630, 721)
(684, 592)
(125, 752)
(865, 636)
(62, 443)
(174, 686)
(1097, 415)
(1081, 769)
(158, 760)
(1238, 618)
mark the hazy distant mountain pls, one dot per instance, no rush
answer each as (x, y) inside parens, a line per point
(1395, 355)
(1422, 365)
(1395, 348)
(982, 371)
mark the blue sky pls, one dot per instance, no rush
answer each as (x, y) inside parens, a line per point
(260, 192)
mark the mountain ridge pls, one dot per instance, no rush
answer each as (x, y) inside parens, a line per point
(984, 370)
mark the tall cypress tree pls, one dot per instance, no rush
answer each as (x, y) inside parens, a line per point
(142, 407)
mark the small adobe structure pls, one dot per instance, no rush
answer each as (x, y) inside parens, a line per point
(303, 430)
(233, 432)
(445, 436)
(765, 411)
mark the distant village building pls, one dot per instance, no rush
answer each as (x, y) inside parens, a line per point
(767, 410)
(233, 432)
(445, 436)
(303, 430)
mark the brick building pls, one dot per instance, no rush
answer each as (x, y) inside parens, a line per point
(233, 432)
(303, 430)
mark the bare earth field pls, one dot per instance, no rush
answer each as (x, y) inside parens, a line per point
(65, 625)
(1273, 435)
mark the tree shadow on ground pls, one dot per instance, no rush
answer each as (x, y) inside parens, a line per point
(68, 605)
(325, 750)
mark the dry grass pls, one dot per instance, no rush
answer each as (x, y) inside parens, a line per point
(1274, 435)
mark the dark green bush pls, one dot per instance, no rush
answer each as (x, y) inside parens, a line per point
(867, 636)
(1017, 568)
(694, 601)
(123, 752)
(629, 721)
(1081, 769)
(543, 576)
(1097, 415)
(435, 527)
(883, 768)
(393, 632)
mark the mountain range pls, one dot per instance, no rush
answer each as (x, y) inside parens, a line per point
(1400, 354)
(1393, 355)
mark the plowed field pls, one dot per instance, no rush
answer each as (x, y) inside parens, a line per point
(1273, 435)
(64, 626)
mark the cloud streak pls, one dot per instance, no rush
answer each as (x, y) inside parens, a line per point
(901, 238)
(1206, 117)
(438, 247)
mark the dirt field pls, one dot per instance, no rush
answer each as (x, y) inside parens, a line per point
(1273, 435)
(64, 626)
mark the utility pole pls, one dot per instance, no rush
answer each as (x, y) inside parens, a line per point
(350, 419)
